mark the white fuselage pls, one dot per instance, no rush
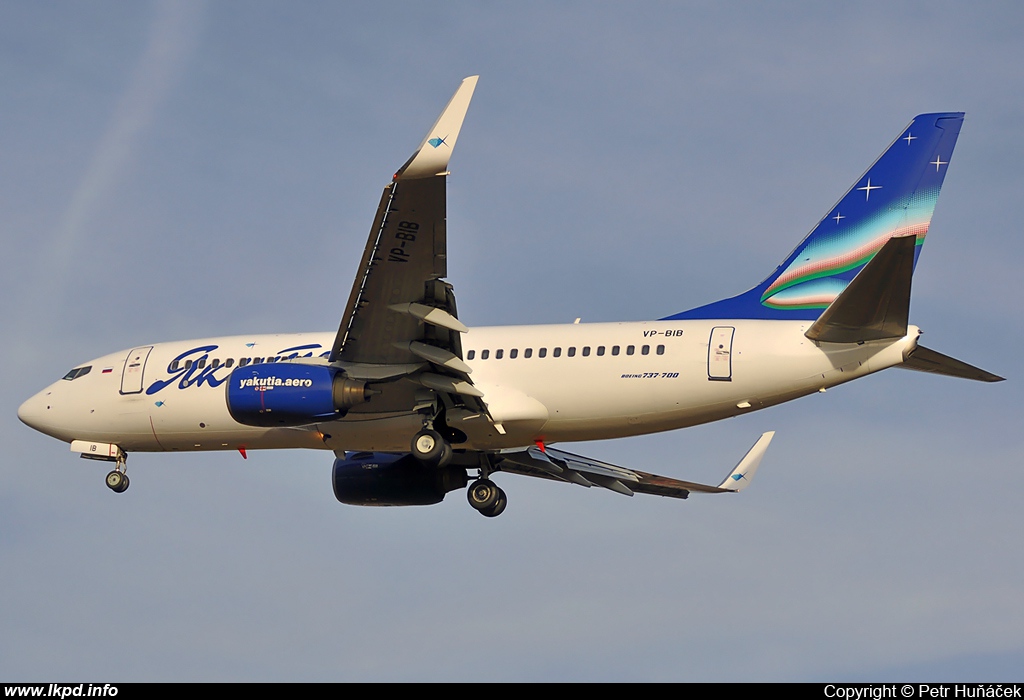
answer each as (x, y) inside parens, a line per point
(604, 380)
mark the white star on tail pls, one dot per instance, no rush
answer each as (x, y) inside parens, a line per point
(867, 189)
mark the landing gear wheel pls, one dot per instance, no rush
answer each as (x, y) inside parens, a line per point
(498, 508)
(117, 481)
(446, 455)
(428, 447)
(483, 494)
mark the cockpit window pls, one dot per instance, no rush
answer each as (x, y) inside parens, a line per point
(77, 372)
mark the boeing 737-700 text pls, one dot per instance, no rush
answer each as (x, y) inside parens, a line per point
(412, 402)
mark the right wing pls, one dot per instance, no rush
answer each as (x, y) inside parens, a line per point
(549, 463)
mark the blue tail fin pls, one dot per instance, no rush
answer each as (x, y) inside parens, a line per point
(895, 197)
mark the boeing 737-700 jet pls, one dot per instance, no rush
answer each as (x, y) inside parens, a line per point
(412, 402)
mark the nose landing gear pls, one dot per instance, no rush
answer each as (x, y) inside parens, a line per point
(117, 481)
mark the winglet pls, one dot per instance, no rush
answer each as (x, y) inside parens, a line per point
(740, 477)
(431, 158)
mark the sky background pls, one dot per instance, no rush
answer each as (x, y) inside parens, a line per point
(174, 170)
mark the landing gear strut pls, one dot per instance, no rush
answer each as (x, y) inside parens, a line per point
(487, 497)
(117, 480)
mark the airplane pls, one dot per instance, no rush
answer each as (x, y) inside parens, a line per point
(412, 402)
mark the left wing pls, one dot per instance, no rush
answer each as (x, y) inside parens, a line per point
(400, 311)
(549, 463)
(400, 322)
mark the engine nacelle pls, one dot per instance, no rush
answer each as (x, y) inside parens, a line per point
(381, 479)
(290, 394)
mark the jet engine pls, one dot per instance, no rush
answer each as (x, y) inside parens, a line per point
(291, 394)
(381, 479)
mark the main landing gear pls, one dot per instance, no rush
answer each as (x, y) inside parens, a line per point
(432, 450)
(487, 497)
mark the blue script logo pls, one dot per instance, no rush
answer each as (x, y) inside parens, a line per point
(185, 370)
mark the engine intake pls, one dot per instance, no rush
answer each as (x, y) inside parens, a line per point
(381, 479)
(291, 394)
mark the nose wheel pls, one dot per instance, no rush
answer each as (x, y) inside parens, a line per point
(487, 497)
(117, 481)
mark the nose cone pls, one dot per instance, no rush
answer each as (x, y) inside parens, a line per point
(33, 412)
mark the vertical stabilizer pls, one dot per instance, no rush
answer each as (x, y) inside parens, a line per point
(894, 198)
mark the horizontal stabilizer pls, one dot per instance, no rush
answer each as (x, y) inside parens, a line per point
(876, 303)
(923, 359)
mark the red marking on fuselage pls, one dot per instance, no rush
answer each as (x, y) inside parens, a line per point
(153, 428)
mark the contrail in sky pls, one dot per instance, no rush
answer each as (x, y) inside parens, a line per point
(172, 38)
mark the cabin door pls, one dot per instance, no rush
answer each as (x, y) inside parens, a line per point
(134, 366)
(720, 354)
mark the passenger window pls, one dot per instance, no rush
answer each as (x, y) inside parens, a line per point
(586, 351)
(543, 352)
(230, 361)
(661, 349)
(243, 362)
(257, 360)
(484, 354)
(558, 352)
(174, 366)
(216, 364)
(513, 353)
(630, 349)
(471, 354)
(498, 354)
(645, 350)
(600, 350)
(528, 353)
(572, 352)
(615, 350)
(201, 363)
(188, 364)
